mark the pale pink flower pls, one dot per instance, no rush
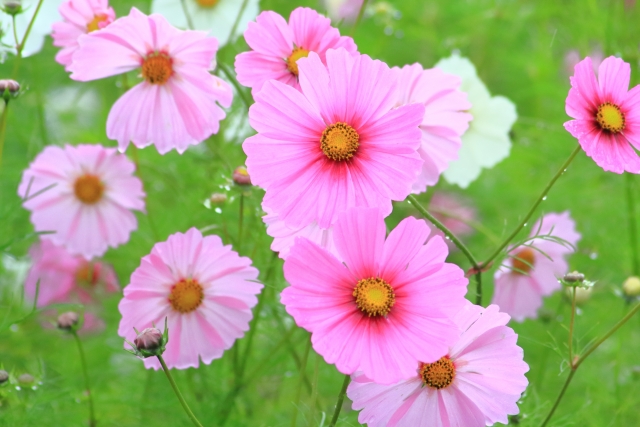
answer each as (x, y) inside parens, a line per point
(532, 270)
(445, 119)
(454, 213)
(386, 307)
(343, 10)
(175, 104)
(284, 236)
(79, 17)
(337, 143)
(573, 57)
(478, 383)
(278, 45)
(204, 289)
(82, 197)
(607, 114)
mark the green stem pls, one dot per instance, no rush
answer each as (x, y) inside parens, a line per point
(573, 315)
(241, 219)
(175, 389)
(237, 21)
(542, 196)
(343, 391)
(187, 15)
(314, 389)
(633, 230)
(85, 372)
(3, 128)
(359, 18)
(303, 367)
(26, 34)
(234, 82)
(557, 402)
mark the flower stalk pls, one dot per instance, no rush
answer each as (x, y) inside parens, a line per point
(183, 402)
(85, 372)
(343, 391)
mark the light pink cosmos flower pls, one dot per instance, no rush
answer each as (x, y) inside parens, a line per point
(82, 197)
(79, 17)
(478, 383)
(532, 270)
(445, 119)
(454, 213)
(386, 307)
(343, 10)
(337, 143)
(175, 104)
(204, 289)
(607, 114)
(278, 45)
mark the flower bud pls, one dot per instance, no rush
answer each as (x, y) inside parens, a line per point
(573, 277)
(4, 376)
(149, 339)
(241, 176)
(68, 321)
(26, 379)
(12, 7)
(631, 286)
(9, 89)
(582, 294)
(218, 198)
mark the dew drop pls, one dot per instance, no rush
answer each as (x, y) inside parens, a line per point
(593, 255)
(544, 198)
(218, 210)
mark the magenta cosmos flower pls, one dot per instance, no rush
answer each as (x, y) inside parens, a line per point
(444, 119)
(204, 289)
(277, 46)
(606, 113)
(82, 197)
(175, 104)
(79, 17)
(478, 383)
(386, 307)
(532, 270)
(338, 143)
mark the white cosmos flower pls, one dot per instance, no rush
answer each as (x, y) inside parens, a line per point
(486, 142)
(47, 15)
(215, 16)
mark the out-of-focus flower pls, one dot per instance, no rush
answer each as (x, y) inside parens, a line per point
(454, 213)
(606, 113)
(204, 289)
(478, 383)
(47, 15)
(83, 197)
(444, 120)
(277, 46)
(573, 57)
(343, 10)
(582, 294)
(240, 176)
(214, 16)
(175, 104)
(486, 142)
(631, 286)
(79, 17)
(338, 143)
(386, 307)
(532, 270)
(68, 321)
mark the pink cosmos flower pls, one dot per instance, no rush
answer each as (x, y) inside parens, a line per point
(532, 270)
(175, 104)
(80, 17)
(386, 307)
(444, 119)
(284, 236)
(477, 384)
(607, 114)
(204, 289)
(277, 46)
(337, 143)
(83, 197)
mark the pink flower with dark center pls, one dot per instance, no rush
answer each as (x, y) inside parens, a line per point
(476, 384)
(445, 119)
(532, 270)
(337, 143)
(175, 104)
(79, 17)
(278, 45)
(204, 289)
(82, 197)
(606, 113)
(387, 306)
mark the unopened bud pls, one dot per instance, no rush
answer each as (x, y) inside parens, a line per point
(9, 89)
(149, 339)
(12, 7)
(218, 198)
(26, 379)
(241, 176)
(631, 286)
(4, 377)
(574, 277)
(582, 294)
(68, 321)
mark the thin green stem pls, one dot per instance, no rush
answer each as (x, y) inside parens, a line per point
(473, 224)
(236, 85)
(26, 34)
(314, 389)
(3, 128)
(15, 32)
(557, 402)
(187, 15)
(240, 219)
(359, 18)
(193, 418)
(303, 367)
(573, 315)
(343, 391)
(633, 229)
(85, 372)
(539, 200)
(237, 21)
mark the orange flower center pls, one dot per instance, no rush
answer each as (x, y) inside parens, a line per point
(339, 141)
(87, 274)
(186, 295)
(88, 189)
(292, 60)
(157, 68)
(207, 3)
(610, 118)
(94, 25)
(523, 261)
(374, 296)
(439, 374)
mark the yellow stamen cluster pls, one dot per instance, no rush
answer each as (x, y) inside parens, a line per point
(374, 297)
(88, 189)
(339, 142)
(610, 118)
(292, 60)
(186, 295)
(207, 3)
(157, 68)
(439, 374)
(94, 25)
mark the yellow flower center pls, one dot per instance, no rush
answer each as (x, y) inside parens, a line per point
(88, 189)
(339, 141)
(94, 25)
(610, 117)
(157, 68)
(523, 261)
(439, 374)
(87, 274)
(186, 295)
(207, 3)
(292, 60)
(374, 296)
